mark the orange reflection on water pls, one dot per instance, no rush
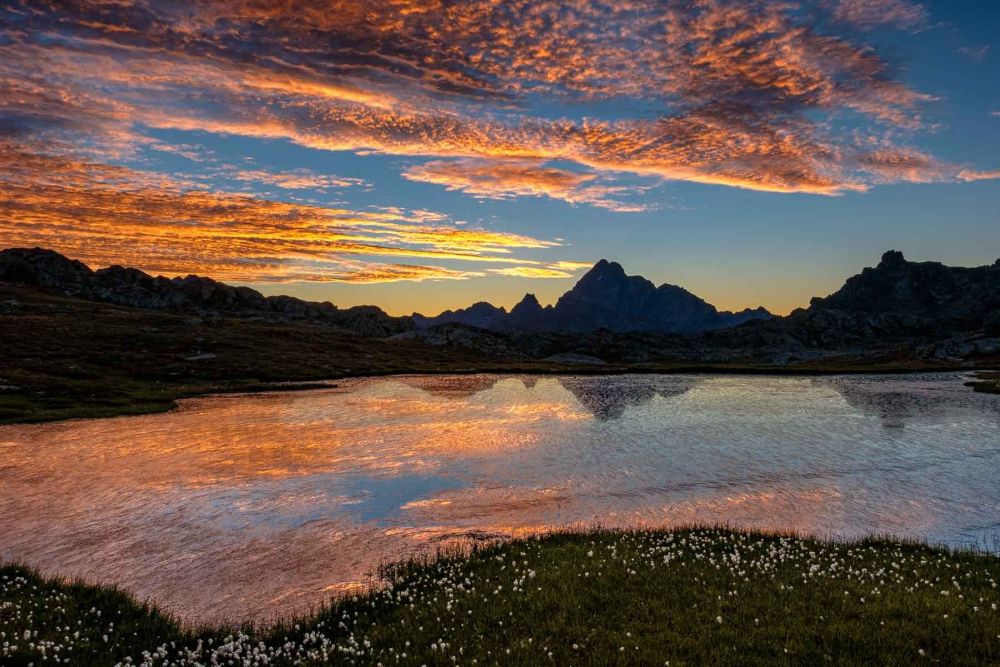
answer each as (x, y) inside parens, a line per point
(307, 493)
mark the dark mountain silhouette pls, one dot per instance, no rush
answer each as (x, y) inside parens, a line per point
(38, 267)
(527, 315)
(897, 309)
(481, 314)
(936, 310)
(604, 298)
(963, 297)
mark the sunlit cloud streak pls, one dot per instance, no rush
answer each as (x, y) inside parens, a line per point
(550, 271)
(506, 179)
(105, 214)
(296, 179)
(870, 14)
(971, 175)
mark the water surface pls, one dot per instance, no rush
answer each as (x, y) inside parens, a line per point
(248, 507)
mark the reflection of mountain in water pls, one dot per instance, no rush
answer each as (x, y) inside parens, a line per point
(608, 396)
(898, 400)
(454, 386)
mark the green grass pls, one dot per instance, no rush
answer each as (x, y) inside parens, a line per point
(690, 597)
(987, 382)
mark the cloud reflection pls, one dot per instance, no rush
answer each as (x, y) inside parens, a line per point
(306, 493)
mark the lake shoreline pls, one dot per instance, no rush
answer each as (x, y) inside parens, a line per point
(67, 358)
(169, 397)
(688, 595)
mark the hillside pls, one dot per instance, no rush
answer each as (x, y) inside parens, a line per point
(37, 267)
(924, 308)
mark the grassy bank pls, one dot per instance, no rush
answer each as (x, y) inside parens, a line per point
(62, 358)
(987, 382)
(702, 596)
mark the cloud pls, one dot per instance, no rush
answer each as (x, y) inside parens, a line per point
(971, 175)
(508, 178)
(870, 14)
(736, 87)
(104, 214)
(975, 52)
(296, 179)
(548, 271)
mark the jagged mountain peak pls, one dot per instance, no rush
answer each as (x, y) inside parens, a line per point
(606, 297)
(892, 258)
(529, 302)
(605, 272)
(604, 268)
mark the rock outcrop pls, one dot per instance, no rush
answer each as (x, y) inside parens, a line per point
(925, 307)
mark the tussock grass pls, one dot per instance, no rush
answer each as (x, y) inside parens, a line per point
(987, 382)
(685, 597)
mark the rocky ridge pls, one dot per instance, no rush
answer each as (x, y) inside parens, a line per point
(201, 296)
(604, 298)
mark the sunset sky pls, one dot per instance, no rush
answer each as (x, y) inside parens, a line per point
(426, 154)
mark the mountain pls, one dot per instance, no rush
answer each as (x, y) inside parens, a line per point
(963, 297)
(481, 314)
(48, 269)
(901, 299)
(527, 315)
(607, 298)
(896, 310)
(925, 307)
(604, 298)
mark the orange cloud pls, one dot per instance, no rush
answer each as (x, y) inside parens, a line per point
(734, 93)
(548, 271)
(505, 179)
(104, 214)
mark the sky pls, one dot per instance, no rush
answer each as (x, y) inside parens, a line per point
(426, 154)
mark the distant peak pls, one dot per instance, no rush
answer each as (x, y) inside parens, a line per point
(606, 268)
(529, 304)
(892, 258)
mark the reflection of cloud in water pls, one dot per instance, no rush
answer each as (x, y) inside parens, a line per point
(899, 399)
(305, 493)
(297, 501)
